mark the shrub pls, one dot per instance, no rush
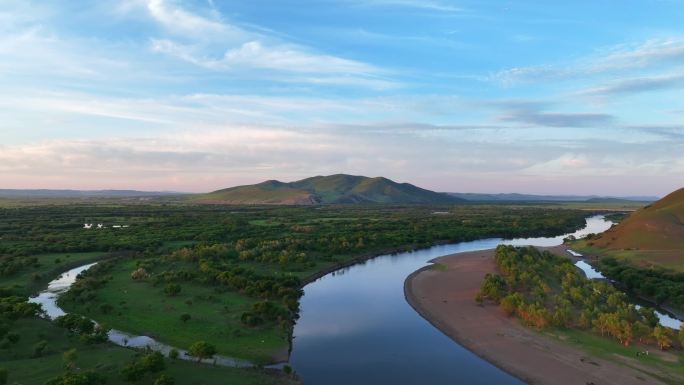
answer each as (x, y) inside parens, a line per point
(172, 289)
(201, 350)
(164, 380)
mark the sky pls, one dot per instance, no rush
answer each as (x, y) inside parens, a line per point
(548, 97)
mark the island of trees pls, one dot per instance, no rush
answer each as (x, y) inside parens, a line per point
(544, 290)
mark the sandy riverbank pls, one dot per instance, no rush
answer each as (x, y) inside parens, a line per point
(445, 297)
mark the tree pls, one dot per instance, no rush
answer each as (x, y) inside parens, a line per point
(641, 331)
(153, 362)
(78, 378)
(185, 317)
(139, 274)
(662, 337)
(201, 350)
(3, 376)
(173, 354)
(172, 289)
(164, 380)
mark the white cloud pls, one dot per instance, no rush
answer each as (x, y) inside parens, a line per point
(236, 48)
(254, 54)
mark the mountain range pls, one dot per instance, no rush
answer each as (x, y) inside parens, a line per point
(338, 188)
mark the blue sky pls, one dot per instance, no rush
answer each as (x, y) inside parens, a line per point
(579, 97)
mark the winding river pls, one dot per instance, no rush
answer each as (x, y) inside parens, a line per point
(355, 326)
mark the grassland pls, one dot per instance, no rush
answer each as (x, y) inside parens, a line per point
(140, 307)
(26, 367)
(240, 270)
(666, 366)
(668, 259)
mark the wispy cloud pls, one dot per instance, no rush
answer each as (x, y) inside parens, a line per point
(430, 5)
(235, 47)
(533, 114)
(623, 57)
(254, 54)
(637, 85)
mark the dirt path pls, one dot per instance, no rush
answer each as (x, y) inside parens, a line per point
(445, 297)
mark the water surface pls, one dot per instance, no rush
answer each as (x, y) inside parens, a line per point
(357, 328)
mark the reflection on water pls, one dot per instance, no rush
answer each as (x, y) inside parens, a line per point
(357, 328)
(588, 270)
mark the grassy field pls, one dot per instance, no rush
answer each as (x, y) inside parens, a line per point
(668, 366)
(141, 308)
(669, 259)
(27, 369)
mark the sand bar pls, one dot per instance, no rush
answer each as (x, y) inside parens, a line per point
(445, 297)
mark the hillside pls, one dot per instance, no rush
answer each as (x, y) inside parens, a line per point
(654, 233)
(339, 188)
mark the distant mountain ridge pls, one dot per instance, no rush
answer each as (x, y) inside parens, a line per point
(515, 197)
(55, 193)
(338, 188)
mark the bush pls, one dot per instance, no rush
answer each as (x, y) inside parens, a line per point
(153, 362)
(201, 350)
(172, 289)
(78, 378)
(173, 354)
(164, 380)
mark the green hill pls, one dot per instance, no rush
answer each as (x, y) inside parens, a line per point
(651, 235)
(339, 188)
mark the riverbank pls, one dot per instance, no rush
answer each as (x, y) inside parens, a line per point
(444, 295)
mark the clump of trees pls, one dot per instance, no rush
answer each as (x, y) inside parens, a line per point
(150, 362)
(86, 328)
(265, 311)
(172, 289)
(544, 290)
(660, 285)
(201, 350)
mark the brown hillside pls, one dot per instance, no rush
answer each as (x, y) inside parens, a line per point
(656, 227)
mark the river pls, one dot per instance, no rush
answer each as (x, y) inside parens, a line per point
(355, 326)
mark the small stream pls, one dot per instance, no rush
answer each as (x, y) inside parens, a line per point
(48, 300)
(591, 273)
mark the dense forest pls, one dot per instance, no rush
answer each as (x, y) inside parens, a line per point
(661, 285)
(544, 290)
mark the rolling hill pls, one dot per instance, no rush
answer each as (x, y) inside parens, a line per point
(339, 188)
(654, 233)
